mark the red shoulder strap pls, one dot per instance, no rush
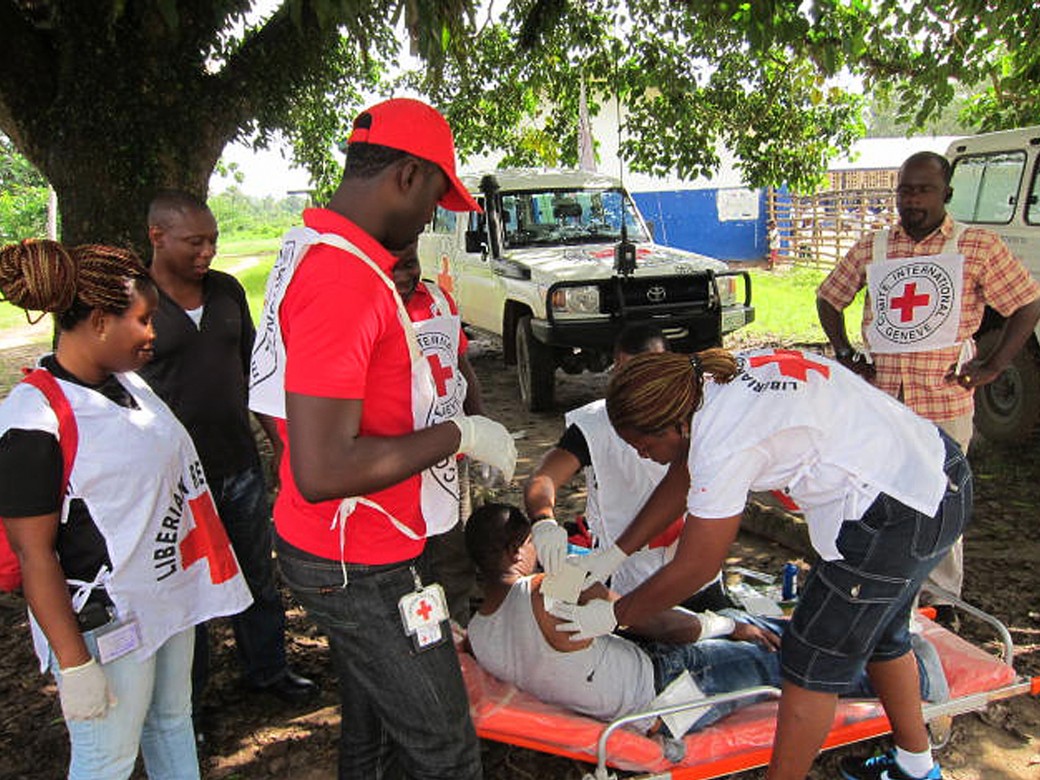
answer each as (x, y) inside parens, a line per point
(68, 433)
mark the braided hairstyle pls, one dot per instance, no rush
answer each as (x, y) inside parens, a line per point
(656, 391)
(45, 276)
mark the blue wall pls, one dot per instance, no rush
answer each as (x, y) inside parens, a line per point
(688, 219)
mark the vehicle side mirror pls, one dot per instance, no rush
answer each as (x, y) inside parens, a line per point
(651, 228)
(475, 241)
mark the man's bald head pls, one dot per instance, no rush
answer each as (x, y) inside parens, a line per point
(169, 203)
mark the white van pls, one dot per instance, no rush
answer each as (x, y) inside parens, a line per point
(996, 184)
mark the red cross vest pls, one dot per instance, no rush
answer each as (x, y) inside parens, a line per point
(915, 302)
(438, 340)
(142, 481)
(440, 494)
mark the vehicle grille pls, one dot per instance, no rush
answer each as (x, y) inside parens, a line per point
(659, 292)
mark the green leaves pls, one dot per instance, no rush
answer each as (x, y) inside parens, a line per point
(154, 90)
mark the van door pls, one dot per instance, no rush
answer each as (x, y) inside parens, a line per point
(995, 185)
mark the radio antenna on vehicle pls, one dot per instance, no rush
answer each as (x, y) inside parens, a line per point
(625, 251)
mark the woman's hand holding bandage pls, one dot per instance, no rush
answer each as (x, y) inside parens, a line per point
(488, 441)
(586, 621)
(600, 564)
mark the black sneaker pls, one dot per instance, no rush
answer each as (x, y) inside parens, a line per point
(883, 767)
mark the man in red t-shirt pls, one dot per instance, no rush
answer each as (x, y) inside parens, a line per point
(350, 519)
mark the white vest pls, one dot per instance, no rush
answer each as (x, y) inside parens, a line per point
(139, 475)
(440, 494)
(609, 678)
(438, 339)
(855, 430)
(618, 484)
(915, 301)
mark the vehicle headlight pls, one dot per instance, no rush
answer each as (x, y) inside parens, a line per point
(727, 290)
(576, 300)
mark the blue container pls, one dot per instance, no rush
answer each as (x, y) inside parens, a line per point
(790, 581)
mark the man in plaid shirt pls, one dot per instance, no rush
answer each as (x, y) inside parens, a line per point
(938, 383)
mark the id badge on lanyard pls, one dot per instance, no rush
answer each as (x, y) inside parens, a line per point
(422, 613)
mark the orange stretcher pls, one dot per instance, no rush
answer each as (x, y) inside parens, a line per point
(742, 740)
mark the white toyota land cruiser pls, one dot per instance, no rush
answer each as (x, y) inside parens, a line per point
(560, 261)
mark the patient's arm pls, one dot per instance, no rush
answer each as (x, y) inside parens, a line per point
(676, 626)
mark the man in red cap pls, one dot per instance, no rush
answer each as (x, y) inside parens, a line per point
(366, 463)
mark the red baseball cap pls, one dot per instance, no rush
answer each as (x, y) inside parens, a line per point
(418, 129)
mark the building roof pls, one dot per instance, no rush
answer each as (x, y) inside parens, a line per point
(888, 153)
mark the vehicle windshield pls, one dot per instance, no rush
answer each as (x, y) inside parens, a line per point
(554, 217)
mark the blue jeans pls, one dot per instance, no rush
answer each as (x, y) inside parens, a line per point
(404, 712)
(857, 609)
(242, 504)
(152, 713)
(723, 666)
(718, 666)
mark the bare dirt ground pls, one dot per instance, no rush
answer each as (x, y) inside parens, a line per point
(258, 737)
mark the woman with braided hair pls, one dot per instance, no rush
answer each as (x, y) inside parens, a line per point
(885, 494)
(106, 507)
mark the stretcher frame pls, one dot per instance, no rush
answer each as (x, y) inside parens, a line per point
(938, 716)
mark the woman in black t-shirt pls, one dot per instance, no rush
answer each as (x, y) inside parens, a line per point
(102, 299)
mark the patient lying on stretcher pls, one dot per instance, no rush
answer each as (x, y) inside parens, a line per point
(515, 638)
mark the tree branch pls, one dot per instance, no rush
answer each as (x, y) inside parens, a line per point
(258, 73)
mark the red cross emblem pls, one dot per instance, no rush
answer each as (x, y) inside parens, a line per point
(441, 374)
(424, 610)
(444, 277)
(208, 540)
(791, 363)
(908, 301)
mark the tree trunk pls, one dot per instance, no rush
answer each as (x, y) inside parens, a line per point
(105, 182)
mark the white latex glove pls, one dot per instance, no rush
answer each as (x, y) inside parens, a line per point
(600, 564)
(550, 540)
(488, 441)
(586, 621)
(84, 692)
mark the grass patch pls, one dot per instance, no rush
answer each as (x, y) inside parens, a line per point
(11, 317)
(238, 246)
(785, 307)
(249, 260)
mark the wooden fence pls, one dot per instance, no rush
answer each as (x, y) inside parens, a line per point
(817, 230)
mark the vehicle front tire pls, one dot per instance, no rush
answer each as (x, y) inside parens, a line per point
(1008, 409)
(535, 369)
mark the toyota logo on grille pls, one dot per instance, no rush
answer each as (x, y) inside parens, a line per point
(656, 294)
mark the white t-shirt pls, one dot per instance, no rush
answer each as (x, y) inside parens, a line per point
(801, 423)
(609, 678)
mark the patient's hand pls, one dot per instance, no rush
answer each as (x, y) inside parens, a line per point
(745, 632)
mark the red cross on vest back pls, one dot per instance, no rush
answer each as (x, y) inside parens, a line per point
(791, 363)
(441, 374)
(424, 610)
(908, 301)
(208, 540)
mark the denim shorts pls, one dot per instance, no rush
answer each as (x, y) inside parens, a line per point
(857, 609)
